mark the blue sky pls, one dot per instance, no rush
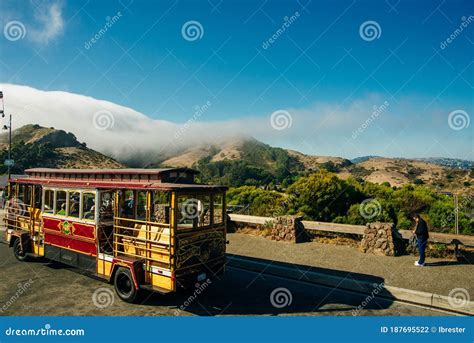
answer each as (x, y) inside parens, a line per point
(318, 67)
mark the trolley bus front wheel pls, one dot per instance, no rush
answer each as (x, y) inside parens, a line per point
(124, 285)
(18, 251)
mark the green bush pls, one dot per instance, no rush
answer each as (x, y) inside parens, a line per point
(323, 196)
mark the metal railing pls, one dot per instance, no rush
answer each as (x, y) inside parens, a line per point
(142, 239)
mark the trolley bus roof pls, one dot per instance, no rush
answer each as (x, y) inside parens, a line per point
(181, 179)
(125, 171)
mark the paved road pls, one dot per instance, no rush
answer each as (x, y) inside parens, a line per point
(56, 289)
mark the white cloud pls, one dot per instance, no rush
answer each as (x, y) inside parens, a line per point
(324, 129)
(107, 127)
(49, 23)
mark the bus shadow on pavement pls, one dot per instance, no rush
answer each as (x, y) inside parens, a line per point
(266, 289)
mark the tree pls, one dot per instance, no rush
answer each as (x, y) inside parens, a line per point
(381, 211)
(322, 196)
(29, 156)
(261, 202)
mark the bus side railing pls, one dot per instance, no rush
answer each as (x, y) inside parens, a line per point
(143, 239)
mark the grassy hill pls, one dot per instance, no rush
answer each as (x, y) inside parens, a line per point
(237, 161)
(246, 161)
(399, 172)
(36, 146)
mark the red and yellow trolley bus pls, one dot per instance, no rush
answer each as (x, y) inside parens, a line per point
(137, 228)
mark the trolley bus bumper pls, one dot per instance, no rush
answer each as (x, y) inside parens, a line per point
(188, 277)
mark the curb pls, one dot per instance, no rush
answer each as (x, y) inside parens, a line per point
(426, 299)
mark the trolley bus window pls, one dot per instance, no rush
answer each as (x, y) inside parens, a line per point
(48, 201)
(187, 209)
(141, 206)
(106, 205)
(128, 207)
(19, 191)
(61, 203)
(37, 202)
(11, 191)
(88, 206)
(218, 208)
(74, 201)
(161, 207)
(28, 194)
(193, 211)
(24, 194)
(204, 210)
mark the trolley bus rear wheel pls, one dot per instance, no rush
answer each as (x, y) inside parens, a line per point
(18, 251)
(124, 285)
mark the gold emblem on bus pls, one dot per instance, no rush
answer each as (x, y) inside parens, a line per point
(66, 228)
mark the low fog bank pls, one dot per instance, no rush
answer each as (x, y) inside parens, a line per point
(127, 135)
(375, 124)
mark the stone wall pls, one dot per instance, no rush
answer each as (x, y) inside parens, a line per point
(288, 228)
(382, 239)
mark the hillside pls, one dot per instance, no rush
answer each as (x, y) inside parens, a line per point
(399, 172)
(235, 161)
(311, 162)
(248, 161)
(230, 149)
(258, 160)
(396, 171)
(36, 146)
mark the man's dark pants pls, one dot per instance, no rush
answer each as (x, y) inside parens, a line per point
(421, 249)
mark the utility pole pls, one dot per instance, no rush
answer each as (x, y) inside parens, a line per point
(9, 161)
(456, 214)
(9, 146)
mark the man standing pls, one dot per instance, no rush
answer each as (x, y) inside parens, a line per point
(421, 233)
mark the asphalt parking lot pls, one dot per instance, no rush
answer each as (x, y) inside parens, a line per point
(40, 288)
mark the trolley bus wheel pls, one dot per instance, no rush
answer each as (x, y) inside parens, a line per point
(17, 251)
(124, 285)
